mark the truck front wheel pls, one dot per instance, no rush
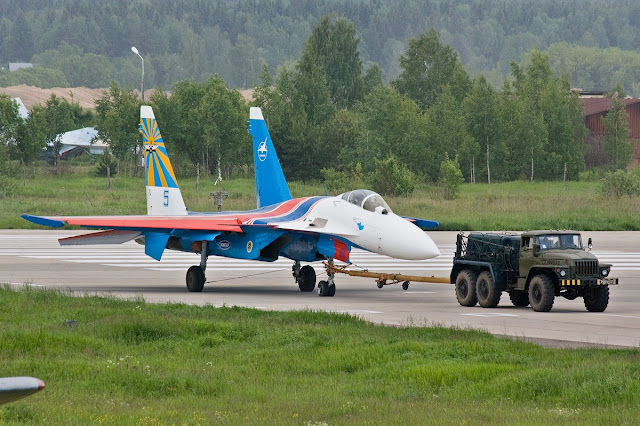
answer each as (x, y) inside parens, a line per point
(466, 287)
(596, 299)
(487, 291)
(541, 293)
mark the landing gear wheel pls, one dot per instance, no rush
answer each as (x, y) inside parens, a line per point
(323, 288)
(466, 287)
(596, 299)
(381, 283)
(487, 291)
(519, 298)
(332, 290)
(195, 279)
(405, 285)
(541, 293)
(306, 279)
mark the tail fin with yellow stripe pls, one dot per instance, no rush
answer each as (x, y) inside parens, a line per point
(163, 195)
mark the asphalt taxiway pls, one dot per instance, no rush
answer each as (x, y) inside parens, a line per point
(34, 257)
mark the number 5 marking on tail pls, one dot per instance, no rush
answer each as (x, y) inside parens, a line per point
(166, 197)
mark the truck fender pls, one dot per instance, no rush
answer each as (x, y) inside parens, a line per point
(536, 270)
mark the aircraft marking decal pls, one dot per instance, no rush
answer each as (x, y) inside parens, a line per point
(159, 170)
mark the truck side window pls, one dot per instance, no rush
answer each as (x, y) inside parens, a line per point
(526, 242)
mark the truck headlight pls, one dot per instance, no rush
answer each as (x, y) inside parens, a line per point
(605, 272)
(562, 272)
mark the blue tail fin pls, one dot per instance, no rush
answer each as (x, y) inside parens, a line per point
(271, 186)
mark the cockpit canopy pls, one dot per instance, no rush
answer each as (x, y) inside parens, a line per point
(366, 199)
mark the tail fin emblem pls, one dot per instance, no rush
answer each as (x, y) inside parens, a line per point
(262, 150)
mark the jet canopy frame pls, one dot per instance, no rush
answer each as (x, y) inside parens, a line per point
(367, 199)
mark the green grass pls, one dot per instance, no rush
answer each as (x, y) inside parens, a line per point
(130, 362)
(503, 206)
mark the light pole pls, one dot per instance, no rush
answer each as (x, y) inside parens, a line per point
(134, 50)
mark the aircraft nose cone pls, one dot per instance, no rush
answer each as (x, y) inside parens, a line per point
(407, 241)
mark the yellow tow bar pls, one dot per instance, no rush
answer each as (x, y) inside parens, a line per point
(382, 277)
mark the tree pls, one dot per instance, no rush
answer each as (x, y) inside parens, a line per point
(31, 138)
(428, 66)
(117, 121)
(332, 50)
(616, 142)
(450, 177)
(481, 110)
(59, 117)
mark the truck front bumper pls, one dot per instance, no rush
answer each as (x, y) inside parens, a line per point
(589, 282)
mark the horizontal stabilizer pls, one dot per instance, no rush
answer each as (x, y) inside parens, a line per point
(104, 237)
(422, 223)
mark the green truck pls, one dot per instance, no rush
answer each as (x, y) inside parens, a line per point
(533, 267)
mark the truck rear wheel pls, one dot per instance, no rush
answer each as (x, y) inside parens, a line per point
(487, 291)
(596, 299)
(541, 293)
(519, 297)
(466, 287)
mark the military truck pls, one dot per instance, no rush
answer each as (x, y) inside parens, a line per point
(533, 267)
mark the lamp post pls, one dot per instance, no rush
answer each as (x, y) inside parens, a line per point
(134, 50)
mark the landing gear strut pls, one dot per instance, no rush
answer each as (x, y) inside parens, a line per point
(305, 277)
(327, 288)
(195, 274)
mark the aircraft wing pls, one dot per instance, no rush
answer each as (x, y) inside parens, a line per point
(142, 222)
(13, 388)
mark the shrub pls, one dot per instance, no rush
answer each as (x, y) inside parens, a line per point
(451, 177)
(621, 183)
(392, 177)
(106, 160)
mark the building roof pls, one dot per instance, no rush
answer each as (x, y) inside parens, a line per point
(598, 105)
(15, 66)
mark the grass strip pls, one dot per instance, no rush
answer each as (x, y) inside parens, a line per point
(132, 362)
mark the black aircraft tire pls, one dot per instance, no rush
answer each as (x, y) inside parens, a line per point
(195, 279)
(466, 287)
(541, 293)
(307, 279)
(519, 298)
(596, 299)
(332, 290)
(323, 288)
(487, 291)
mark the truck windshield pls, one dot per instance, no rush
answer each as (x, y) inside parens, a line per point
(562, 241)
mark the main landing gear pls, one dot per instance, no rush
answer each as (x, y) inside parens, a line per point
(195, 274)
(306, 278)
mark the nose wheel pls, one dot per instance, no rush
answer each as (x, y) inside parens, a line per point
(327, 288)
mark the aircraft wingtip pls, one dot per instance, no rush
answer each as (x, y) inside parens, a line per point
(146, 112)
(255, 113)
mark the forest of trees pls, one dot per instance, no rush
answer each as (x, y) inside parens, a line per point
(87, 43)
(331, 119)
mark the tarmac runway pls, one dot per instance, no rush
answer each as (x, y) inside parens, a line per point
(34, 257)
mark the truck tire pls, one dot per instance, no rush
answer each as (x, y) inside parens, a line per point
(487, 291)
(519, 297)
(596, 299)
(466, 287)
(541, 293)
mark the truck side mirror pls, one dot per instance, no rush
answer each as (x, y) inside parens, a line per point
(536, 249)
(590, 244)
